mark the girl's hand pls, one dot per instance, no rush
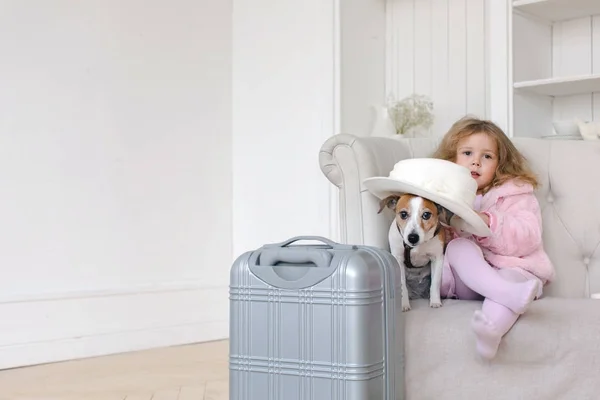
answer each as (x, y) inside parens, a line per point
(460, 225)
(485, 218)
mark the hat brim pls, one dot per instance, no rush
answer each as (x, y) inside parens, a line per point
(383, 187)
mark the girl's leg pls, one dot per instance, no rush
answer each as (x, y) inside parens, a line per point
(490, 324)
(494, 320)
(452, 286)
(467, 263)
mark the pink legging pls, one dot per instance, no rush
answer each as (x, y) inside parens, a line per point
(506, 293)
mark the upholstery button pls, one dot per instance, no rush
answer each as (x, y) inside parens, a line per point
(586, 260)
(550, 199)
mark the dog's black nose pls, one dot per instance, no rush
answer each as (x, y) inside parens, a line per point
(413, 238)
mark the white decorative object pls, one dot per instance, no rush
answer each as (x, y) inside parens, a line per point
(589, 130)
(415, 111)
(566, 127)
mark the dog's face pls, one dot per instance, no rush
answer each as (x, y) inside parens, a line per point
(417, 218)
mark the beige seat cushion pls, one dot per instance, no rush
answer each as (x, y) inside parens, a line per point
(556, 343)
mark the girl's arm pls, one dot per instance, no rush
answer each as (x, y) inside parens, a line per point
(516, 226)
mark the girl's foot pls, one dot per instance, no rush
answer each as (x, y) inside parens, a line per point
(488, 337)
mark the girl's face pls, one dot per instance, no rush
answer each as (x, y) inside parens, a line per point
(479, 153)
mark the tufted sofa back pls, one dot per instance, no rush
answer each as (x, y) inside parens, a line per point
(569, 195)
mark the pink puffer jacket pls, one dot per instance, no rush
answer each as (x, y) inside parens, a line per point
(516, 225)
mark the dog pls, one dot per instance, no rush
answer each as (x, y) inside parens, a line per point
(418, 240)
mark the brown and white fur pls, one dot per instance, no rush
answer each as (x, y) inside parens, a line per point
(417, 240)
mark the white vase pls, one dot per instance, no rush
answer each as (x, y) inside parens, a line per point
(382, 125)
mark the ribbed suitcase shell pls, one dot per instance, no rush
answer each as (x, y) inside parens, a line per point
(316, 322)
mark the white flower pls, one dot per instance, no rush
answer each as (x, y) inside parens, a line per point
(411, 112)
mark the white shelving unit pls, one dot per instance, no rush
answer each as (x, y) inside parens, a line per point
(558, 10)
(554, 63)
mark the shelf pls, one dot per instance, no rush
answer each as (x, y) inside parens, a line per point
(562, 137)
(562, 86)
(558, 10)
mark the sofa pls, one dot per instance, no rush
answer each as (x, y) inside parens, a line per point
(553, 351)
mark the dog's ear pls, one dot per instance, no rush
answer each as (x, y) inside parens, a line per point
(389, 202)
(444, 215)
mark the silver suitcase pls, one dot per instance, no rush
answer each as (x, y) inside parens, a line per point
(317, 321)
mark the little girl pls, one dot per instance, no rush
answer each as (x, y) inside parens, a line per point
(508, 269)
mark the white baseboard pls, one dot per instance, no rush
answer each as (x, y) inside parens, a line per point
(59, 327)
(119, 342)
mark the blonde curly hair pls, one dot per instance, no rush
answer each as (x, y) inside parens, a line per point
(511, 163)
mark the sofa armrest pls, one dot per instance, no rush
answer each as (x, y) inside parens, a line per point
(347, 160)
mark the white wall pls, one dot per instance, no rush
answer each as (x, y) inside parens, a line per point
(115, 204)
(362, 63)
(284, 107)
(438, 48)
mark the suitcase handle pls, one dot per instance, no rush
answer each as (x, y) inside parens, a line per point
(270, 257)
(293, 272)
(298, 238)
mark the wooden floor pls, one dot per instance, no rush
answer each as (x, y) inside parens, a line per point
(193, 372)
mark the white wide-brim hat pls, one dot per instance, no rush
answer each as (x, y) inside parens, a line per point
(443, 182)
